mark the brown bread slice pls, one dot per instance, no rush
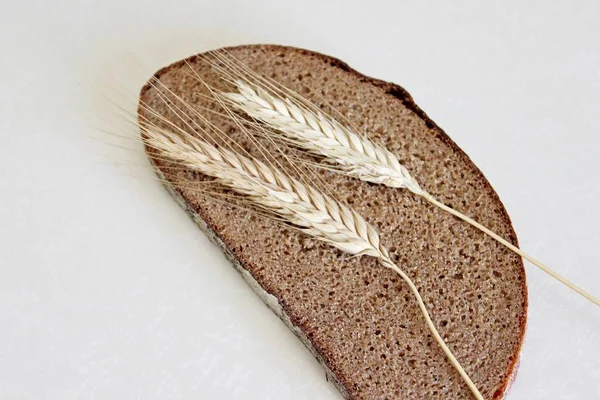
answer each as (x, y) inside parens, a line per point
(357, 318)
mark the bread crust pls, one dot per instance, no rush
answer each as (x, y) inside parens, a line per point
(211, 228)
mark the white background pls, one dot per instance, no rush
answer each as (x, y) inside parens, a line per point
(109, 291)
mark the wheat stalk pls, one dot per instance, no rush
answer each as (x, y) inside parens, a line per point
(355, 155)
(302, 206)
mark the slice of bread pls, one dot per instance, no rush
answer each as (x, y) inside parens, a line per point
(356, 317)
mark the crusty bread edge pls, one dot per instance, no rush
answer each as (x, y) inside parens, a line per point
(269, 299)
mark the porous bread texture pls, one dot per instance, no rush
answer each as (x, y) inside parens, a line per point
(359, 318)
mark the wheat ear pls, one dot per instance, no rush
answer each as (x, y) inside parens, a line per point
(302, 206)
(355, 154)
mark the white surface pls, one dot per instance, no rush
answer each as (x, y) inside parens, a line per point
(108, 290)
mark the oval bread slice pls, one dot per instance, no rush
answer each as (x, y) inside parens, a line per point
(356, 317)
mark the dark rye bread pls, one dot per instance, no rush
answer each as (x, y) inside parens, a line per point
(358, 318)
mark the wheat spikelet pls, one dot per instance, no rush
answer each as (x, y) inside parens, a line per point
(284, 197)
(325, 137)
(355, 155)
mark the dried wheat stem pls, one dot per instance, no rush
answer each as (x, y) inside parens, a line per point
(514, 248)
(388, 263)
(301, 205)
(356, 155)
